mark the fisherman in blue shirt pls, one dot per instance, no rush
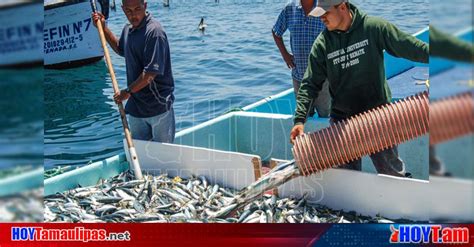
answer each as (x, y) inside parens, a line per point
(303, 32)
(150, 82)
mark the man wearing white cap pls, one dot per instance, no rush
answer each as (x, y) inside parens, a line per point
(349, 53)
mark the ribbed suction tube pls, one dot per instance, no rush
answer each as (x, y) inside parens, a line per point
(362, 134)
(451, 118)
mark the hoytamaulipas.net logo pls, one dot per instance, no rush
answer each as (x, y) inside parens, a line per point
(73, 234)
(435, 234)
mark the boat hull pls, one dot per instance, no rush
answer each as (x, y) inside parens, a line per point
(70, 39)
(21, 38)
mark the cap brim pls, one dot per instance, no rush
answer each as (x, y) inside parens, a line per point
(317, 12)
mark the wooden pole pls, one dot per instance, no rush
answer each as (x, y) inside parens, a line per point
(126, 129)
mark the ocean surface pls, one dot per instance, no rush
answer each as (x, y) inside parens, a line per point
(233, 64)
(21, 121)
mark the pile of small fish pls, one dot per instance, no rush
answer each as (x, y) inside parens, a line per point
(163, 199)
(22, 207)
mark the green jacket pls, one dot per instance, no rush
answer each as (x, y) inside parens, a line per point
(450, 47)
(353, 63)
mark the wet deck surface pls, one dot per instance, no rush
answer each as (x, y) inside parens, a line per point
(453, 81)
(409, 82)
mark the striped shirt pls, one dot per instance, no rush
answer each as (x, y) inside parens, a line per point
(303, 31)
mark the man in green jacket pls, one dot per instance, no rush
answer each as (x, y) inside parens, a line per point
(349, 53)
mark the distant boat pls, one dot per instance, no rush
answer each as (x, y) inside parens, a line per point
(21, 33)
(166, 3)
(70, 39)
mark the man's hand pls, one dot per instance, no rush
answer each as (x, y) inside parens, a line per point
(98, 16)
(297, 130)
(109, 36)
(288, 57)
(119, 97)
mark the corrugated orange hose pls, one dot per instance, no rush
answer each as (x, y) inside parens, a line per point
(363, 134)
(382, 128)
(451, 118)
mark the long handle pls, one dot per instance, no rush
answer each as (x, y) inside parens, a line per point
(128, 137)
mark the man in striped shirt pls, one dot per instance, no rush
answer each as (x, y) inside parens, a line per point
(303, 31)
